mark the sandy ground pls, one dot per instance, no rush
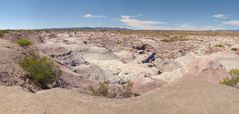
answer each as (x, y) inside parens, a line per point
(186, 96)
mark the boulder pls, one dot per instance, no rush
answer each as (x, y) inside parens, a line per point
(207, 69)
(228, 59)
(140, 47)
(150, 58)
(187, 59)
(144, 85)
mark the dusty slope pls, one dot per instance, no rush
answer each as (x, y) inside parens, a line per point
(10, 72)
(188, 95)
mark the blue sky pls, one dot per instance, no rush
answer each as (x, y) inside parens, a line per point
(134, 14)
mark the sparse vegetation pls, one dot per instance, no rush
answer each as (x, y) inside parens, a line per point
(234, 72)
(220, 45)
(232, 81)
(103, 89)
(127, 92)
(2, 32)
(175, 38)
(24, 42)
(119, 42)
(42, 70)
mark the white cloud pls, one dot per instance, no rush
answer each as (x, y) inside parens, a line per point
(190, 26)
(222, 16)
(232, 22)
(93, 16)
(132, 16)
(132, 22)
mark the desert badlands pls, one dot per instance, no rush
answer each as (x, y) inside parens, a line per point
(121, 72)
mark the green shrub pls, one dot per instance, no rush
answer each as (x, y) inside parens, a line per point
(2, 32)
(234, 72)
(232, 81)
(42, 70)
(24, 42)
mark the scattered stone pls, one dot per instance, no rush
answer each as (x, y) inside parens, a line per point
(150, 65)
(140, 47)
(150, 58)
(159, 72)
(85, 42)
(169, 76)
(78, 62)
(140, 51)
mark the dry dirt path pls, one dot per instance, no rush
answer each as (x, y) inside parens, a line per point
(186, 96)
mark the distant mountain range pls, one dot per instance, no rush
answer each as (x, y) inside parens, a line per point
(88, 28)
(235, 30)
(229, 30)
(116, 28)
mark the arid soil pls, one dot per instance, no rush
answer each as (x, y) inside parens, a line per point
(186, 96)
(171, 71)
